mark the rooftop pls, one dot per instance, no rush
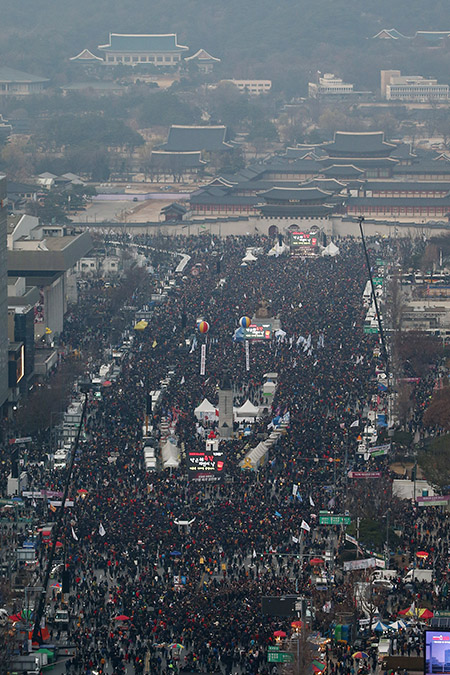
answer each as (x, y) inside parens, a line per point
(362, 141)
(204, 56)
(190, 138)
(128, 42)
(10, 75)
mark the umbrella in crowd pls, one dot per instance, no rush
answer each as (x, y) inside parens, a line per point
(380, 627)
(360, 655)
(398, 625)
(280, 634)
(425, 613)
(316, 561)
(318, 666)
(423, 555)
(121, 617)
(176, 645)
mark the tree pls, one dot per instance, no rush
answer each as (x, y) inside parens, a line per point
(438, 412)
(435, 460)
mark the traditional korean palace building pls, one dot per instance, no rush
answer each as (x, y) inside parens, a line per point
(356, 174)
(131, 50)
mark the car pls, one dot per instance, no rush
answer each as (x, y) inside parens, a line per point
(135, 199)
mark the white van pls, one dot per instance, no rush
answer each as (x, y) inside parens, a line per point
(419, 576)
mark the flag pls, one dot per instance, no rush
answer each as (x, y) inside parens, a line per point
(299, 497)
(33, 503)
(278, 514)
(294, 490)
(154, 344)
(74, 535)
(311, 501)
(254, 553)
(354, 424)
(101, 530)
(182, 381)
(305, 526)
(52, 507)
(295, 540)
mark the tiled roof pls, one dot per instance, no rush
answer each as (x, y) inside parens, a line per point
(181, 160)
(202, 56)
(299, 194)
(188, 138)
(85, 55)
(12, 75)
(351, 142)
(411, 202)
(424, 168)
(343, 170)
(123, 42)
(401, 186)
(217, 196)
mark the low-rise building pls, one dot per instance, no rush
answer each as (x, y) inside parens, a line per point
(329, 85)
(252, 87)
(17, 83)
(398, 87)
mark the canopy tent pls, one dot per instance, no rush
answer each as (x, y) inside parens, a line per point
(255, 457)
(278, 249)
(205, 410)
(247, 411)
(249, 257)
(331, 250)
(170, 454)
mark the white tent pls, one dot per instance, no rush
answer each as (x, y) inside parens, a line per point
(331, 250)
(278, 249)
(170, 454)
(249, 257)
(205, 410)
(247, 411)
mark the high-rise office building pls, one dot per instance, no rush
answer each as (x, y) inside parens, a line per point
(3, 296)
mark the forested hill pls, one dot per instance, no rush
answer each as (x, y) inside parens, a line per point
(253, 37)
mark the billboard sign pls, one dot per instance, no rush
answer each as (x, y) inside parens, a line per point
(206, 464)
(303, 243)
(437, 652)
(258, 331)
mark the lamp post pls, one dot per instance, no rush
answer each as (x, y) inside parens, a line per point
(57, 527)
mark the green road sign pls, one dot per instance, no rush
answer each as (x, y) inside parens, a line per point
(441, 613)
(274, 648)
(280, 657)
(334, 520)
(378, 281)
(370, 330)
(380, 262)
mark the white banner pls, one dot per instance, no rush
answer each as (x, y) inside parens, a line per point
(247, 356)
(203, 360)
(360, 564)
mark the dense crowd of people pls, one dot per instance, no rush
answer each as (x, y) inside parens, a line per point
(201, 587)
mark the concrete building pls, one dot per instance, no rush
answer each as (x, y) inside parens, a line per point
(133, 50)
(252, 87)
(3, 296)
(45, 255)
(398, 87)
(329, 85)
